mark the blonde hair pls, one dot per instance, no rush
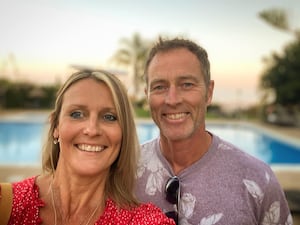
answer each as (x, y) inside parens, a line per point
(121, 180)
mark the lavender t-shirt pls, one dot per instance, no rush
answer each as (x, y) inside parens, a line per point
(226, 186)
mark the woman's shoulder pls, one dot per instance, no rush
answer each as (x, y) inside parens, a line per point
(24, 187)
(147, 208)
(26, 202)
(148, 213)
(142, 214)
(25, 184)
(25, 190)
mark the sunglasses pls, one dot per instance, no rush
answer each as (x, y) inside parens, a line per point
(172, 190)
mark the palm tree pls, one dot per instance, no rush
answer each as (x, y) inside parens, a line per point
(280, 79)
(278, 18)
(132, 54)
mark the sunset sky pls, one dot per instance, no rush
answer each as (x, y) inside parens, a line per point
(40, 39)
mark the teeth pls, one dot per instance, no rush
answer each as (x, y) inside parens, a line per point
(175, 116)
(90, 148)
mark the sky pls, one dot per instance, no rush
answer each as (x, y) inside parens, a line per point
(40, 39)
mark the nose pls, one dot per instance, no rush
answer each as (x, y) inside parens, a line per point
(173, 96)
(92, 127)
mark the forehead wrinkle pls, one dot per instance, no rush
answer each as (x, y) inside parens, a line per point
(86, 107)
(178, 78)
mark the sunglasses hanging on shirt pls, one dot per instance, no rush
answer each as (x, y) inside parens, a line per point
(172, 190)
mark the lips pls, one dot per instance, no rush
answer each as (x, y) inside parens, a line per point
(91, 148)
(176, 116)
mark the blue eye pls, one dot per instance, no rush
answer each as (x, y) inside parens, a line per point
(187, 85)
(159, 88)
(110, 117)
(76, 115)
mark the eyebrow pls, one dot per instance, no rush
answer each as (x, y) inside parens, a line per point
(80, 106)
(159, 80)
(182, 77)
(72, 105)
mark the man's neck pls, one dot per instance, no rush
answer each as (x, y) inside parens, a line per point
(182, 154)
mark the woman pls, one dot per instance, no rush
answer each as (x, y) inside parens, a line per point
(89, 160)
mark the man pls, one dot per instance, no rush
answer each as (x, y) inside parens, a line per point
(194, 176)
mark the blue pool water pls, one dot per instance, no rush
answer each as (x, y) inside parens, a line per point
(21, 142)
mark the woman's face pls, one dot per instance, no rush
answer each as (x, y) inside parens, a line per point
(88, 130)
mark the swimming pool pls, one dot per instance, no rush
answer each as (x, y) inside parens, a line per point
(21, 141)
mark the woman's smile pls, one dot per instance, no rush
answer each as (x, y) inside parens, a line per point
(90, 148)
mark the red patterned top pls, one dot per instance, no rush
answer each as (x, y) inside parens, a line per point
(26, 207)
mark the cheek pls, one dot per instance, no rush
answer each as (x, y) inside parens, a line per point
(115, 134)
(116, 140)
(155, 102)
(118, 137)
(120, 134)
(67, 131)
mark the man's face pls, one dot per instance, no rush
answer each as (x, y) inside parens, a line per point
(177, 94)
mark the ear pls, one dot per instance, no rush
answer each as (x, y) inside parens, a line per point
(209, 93)
(146, 92)
(55, 133)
